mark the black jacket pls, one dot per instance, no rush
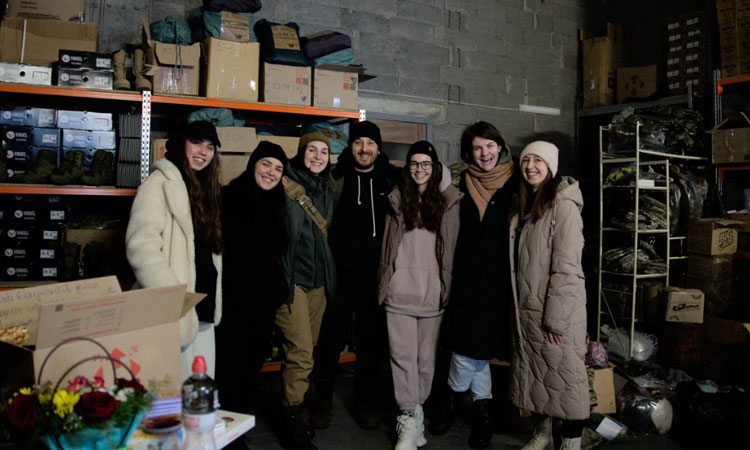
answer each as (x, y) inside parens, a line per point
(361, 201)
(254, 282)
(477, 320)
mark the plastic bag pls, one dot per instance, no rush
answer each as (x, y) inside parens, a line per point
(172, 30)
(644, 345)
(642, 411)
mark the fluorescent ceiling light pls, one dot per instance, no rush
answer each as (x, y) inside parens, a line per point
(546, 110)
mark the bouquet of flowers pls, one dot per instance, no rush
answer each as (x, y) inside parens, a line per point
(86, 414)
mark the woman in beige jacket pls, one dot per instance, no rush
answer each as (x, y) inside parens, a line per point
(549, 374)
(414, 280)
(174, 234)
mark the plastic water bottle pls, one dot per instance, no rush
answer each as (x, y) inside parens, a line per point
(199, 408)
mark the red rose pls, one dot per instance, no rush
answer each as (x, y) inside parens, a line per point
(123, 383)
(96, 407)
(21, 414)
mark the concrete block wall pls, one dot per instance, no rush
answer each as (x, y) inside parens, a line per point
(452, 61)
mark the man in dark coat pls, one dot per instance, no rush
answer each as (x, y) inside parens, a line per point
(476, 322)
(363, 178)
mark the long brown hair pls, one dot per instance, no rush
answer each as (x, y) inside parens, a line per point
(204, 192)
(543, 201)
(425, 211)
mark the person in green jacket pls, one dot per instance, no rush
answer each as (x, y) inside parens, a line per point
(312, 278)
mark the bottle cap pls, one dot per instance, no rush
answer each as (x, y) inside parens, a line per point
(199, 365)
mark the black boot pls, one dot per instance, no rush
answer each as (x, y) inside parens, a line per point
(43, 168)
(441, 419)
(296, 432)
(366, 410)
(481, 429)
(71, 169)
(322, 405)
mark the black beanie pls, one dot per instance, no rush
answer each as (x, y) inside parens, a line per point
(424, 148)
(203, 130)
(267, 149)
(365, 129)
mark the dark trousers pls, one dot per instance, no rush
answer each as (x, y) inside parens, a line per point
(241, 350)
(355, 295)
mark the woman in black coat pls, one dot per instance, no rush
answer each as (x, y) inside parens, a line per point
(254, 282)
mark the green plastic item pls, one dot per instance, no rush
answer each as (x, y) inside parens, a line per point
(212, 23)
(172, 30)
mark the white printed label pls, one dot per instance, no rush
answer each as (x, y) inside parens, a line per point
(101, 81)
(47, 254)
(57, 215)
(103, 62)
(49, 138)
(49, 272)
(49, 235)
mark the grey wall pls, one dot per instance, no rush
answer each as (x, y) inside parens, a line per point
(450, 61)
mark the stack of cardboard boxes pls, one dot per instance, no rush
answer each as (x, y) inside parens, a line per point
(602, 56)
(734, 36)
(686, 53)
(25, 133)
(31, 236)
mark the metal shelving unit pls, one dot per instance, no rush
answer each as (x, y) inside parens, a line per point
(641, 159)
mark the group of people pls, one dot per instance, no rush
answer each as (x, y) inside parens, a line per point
(487, 269)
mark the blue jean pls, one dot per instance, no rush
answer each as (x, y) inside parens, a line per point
(465, 373)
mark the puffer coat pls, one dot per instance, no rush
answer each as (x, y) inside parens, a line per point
(550, 295)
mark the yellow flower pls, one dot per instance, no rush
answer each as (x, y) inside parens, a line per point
(45, 397)
(64, 402)
(25, 390)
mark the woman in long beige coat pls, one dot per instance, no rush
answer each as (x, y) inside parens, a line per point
(549, 374)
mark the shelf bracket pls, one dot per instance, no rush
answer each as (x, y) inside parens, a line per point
(362, 115)
(145, 134)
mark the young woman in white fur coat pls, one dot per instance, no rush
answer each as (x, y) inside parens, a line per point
(174, 234)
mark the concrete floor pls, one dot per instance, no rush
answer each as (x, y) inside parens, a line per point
(345, 434)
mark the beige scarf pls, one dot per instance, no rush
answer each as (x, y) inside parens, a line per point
(483, 185)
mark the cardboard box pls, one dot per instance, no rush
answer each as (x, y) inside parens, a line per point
(711, 268)
(712, 236)
(288, 143)
(718, 293)
(604, 387)
(743, 236)
(684, 305)
(601, 58)
(636, 82)
(237, 139)
(71, 59)
(335, 89)
(159, 149)
(170, 75)
(232, 69)
(102, 140)
(94, 79)
(25, 74)
(147, 343)
(730, 145)
(84, 120)
(727, 331)
(31, 117)
(44, 39)
(31, 233)
(287, 85)
(232, 165)
(48, 10)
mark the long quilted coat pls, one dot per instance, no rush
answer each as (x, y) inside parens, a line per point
(550, 295)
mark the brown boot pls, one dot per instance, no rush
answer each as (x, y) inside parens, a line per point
(141, 83)
(121, 81)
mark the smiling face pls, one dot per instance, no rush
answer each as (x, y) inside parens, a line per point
(364, 150)
(485, 153)
(316, 156)
(534, 170)
(199, 153)
(420, 169)
(268, 172)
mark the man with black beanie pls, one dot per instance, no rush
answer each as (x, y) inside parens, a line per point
(363, 178)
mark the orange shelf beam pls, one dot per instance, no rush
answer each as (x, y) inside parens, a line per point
(250, 106)
(275, 366)
(40, 189)
(734, 80)
(62, 91)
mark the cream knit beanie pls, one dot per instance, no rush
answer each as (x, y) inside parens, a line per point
(545, 150)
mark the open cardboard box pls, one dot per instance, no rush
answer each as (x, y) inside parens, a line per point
(139, 328)
(172, 70)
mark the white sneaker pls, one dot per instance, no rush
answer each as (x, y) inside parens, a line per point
(542, 436)
(571, 444)
(408, 430)
(419, 417)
